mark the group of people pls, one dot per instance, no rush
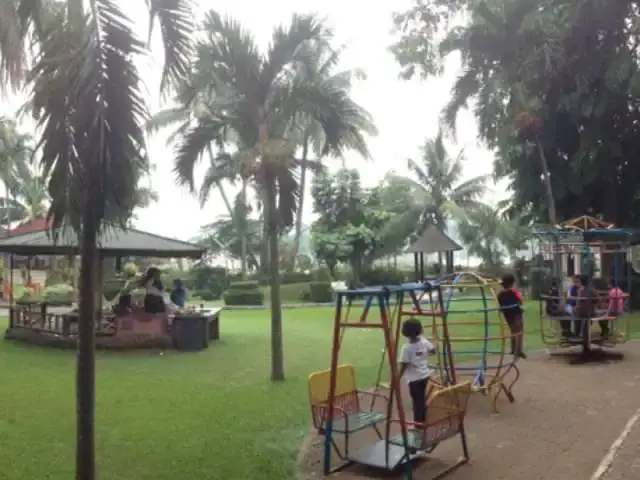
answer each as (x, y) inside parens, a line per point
(154, 297)
(583, 302)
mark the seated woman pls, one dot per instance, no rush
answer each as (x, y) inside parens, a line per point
(572, 294)
(179, 294)
(585, 304)
(154, 294)
(554, 308)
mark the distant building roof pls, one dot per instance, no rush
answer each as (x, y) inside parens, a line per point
(37, 225)
(433, 240)
(113, 242)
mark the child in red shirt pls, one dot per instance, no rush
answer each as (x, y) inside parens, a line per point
(510, 302)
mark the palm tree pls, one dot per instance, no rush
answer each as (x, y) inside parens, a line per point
(319, 69)
(229, 167)
(436, 185)
(16, 151)
(251, 100)
(27, 196)
(86, 97)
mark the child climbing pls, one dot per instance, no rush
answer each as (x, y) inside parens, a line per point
(415, 368)
(510, 302)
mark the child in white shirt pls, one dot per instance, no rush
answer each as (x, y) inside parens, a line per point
(414, 366)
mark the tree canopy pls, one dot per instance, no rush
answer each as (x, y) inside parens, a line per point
(556, 80)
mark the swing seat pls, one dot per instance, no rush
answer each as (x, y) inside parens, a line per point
(446, 410)
(348, 416)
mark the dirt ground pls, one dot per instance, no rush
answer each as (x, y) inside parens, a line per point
(562, 425)
(626, 464)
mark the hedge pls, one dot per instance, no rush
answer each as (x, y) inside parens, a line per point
(243, 297)
(320, 292)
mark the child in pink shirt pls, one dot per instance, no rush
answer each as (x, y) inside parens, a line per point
(616, 299)
(616, 306)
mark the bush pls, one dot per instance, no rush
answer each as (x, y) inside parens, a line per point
(245, 285)
(244, 297)
(59, 294)
(130, 269)
(293, 293)
(112, 287)
(212, 280)
(320, 292)
(208, 296)
(244, 293)
(295, 277)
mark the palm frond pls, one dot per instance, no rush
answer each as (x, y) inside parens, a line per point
(166, 118)
(192, 145)
(176, 23)
(87, 100)
(288, 46)
(464, 88)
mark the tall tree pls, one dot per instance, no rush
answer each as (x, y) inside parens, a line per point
(319, 68)
(438, 188)
(16, 150)
(252, 98)
(85, 95)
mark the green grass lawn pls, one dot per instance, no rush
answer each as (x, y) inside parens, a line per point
(208, 415)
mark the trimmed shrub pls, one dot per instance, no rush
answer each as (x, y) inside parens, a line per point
(61, 294)
(243, 297)
(295, 277)
(320, 292)
(244, 293)
(208, 296)
(244, 285)
(112, 287)
(130, 269)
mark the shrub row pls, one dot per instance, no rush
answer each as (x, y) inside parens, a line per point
(250, 293)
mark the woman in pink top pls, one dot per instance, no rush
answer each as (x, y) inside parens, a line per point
(616, 306)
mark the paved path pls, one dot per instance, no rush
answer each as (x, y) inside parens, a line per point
(562, 425)
(626, 463)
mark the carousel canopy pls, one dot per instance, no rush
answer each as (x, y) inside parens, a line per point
(590, 230)
(113, 242)
(432, 241)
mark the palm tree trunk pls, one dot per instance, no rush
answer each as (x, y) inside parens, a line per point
(243, 232)
(277, 357)
(85, 376)
(272, 227)
(303, 181)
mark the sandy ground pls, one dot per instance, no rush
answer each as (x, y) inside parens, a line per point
(563, 423)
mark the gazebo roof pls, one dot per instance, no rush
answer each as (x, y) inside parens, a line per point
(113, 242)
(433, 240)
(585, 222)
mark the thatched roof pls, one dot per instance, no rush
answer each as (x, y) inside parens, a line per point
(433, 240)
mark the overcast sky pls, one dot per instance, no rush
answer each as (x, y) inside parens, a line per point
(405, 112)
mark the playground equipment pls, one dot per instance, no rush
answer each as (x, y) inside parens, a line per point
(588, 246)
(338, 409)
(477, 338)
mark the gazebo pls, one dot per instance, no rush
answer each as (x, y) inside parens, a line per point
(432, 240)
(113, 243)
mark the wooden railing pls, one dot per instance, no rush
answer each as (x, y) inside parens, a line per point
(64, 325)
